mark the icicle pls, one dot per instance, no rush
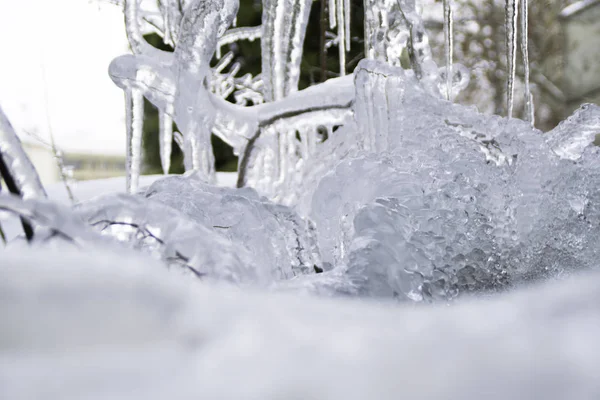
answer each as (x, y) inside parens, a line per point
(448, 46)
(134, 116)
(297, 33)
(347, 23)
(284, 28)
(273, 40)
(165, 123)
(525, 51)
(167, 38)
(178, 137)
(223, 62)
(512, 14)
(341, 36)
(332, 11)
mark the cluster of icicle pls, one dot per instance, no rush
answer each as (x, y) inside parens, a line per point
(273, 128)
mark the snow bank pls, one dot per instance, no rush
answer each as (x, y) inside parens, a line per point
(120, 326)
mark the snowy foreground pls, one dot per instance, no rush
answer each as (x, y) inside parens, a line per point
(126, 328)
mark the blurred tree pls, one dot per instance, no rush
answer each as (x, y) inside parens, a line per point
(480, 45)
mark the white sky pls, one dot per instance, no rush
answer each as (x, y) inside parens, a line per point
(74, 42)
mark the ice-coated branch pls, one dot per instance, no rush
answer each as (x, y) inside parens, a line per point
(232, 35)
(139, 45)
(16, 168)
(57, 219)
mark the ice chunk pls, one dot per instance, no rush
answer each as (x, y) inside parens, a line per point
(573, 135)
(278, 239)
(169, 234)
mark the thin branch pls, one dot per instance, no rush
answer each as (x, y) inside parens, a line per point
(55, 151)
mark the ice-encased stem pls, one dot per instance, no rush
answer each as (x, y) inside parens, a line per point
(134, 119)
(512, 14)
(16, 168)
(448, 46)
(525, 52)
(165, 126)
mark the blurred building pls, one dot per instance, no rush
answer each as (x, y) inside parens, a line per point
(82, 166)
(581, 74)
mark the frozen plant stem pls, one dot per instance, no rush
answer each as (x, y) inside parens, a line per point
(55, 151)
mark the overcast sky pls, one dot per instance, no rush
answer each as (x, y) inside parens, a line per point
(71, 42)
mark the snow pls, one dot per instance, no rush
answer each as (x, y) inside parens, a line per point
(125, 328)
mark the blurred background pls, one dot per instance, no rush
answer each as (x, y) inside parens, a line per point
(54, 80)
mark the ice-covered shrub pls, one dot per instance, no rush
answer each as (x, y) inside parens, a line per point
(371, 184)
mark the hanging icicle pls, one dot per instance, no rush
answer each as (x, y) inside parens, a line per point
(332, 11)
(525, 52)
(512, 14)
(448, 46)
(134, 117)
(347, 23)
(165, 126)
(341, 27)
